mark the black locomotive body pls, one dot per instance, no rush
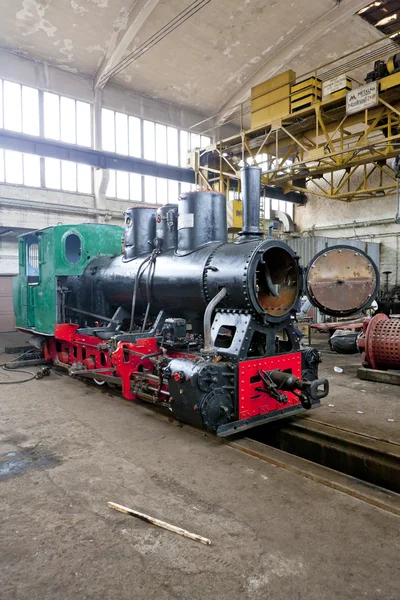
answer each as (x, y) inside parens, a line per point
(189, 321)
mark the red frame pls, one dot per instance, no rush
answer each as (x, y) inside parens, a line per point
(70, 347)
(252, 402)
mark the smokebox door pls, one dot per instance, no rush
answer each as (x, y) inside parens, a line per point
(341, 280)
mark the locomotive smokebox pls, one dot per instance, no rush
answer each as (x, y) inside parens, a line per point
(201, 220)
(251, 192)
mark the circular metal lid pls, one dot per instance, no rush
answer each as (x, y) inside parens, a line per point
(341, 280)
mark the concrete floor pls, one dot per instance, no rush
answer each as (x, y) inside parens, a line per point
(66, 449)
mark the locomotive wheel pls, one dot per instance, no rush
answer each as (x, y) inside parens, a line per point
(216, 409)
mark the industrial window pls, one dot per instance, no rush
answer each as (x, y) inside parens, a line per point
(123, 185)
(149, 140)
(150, 189)
(67, 120)
(172, 146)
(135, 186)
(162, 191)
(146, 139)
(67, 176)
(64, 119)
(282, 205)
(122, 133)
(190, 141)
(184, 143)
(19, 111)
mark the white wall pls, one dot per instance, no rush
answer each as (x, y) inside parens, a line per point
(8, 255)
(367, 220)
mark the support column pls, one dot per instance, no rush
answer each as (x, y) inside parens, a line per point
(100, 176)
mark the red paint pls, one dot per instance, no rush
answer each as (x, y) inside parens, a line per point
(128, 363)
(71, 347)
(252, 402)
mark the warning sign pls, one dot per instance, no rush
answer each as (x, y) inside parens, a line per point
(333, 85)
(361, 98)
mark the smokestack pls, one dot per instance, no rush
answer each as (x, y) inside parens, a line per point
(251, 192)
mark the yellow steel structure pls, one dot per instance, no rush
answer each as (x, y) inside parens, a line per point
(320, 149)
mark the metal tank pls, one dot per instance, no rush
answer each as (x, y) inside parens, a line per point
(166, 227)
(201, 220)
(260, 276)
(139, 231)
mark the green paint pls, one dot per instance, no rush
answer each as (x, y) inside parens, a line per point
(61, 251)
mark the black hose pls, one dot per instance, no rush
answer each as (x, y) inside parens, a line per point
(149, 284)
(6, 368)
(135, 289)
(32, 376)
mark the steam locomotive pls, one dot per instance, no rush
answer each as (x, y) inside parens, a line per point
(181, 318)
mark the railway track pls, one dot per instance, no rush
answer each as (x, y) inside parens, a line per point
(368, 458)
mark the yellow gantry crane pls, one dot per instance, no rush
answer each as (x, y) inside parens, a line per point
(331, 132)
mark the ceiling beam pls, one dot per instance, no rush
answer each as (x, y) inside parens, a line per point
(138, 15)
(334, 17)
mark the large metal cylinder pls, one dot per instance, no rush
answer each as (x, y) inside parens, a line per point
(261, 277)
(166, 227)
(251, 193)
(201, 220)
(140, 231)
(380, 343)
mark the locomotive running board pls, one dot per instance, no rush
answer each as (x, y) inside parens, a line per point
(275, 415)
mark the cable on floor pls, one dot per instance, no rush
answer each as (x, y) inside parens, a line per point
(4, 365)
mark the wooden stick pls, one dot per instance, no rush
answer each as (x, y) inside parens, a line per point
(158, 523)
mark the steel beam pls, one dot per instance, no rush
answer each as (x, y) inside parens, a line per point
(140, 12)
(94, 158)
(277, 193)
(28, 144)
